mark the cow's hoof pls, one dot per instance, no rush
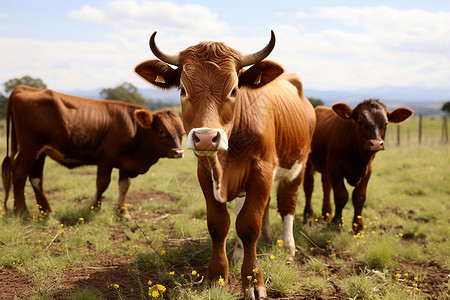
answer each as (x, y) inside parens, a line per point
(308, 221)
(123, 214)
(259, 293)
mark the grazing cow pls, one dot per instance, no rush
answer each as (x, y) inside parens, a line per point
(344, 144)
(247, 128)
(77, 131)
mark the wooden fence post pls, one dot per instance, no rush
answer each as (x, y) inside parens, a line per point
(444, 135)
(420, 129)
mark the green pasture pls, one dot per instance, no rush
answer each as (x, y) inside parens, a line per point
(75, 253)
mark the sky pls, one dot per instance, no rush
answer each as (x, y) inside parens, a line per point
(331, 45)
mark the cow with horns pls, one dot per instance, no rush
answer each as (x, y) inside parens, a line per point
(248, 128)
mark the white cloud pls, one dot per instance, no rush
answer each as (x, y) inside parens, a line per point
(68, 65)
(154, 14)
(405, 30)
(369, 47)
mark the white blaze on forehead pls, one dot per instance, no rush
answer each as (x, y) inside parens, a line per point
(288, 174)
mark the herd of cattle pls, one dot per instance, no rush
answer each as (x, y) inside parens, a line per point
(248, 128)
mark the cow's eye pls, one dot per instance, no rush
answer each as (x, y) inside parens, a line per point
(360, 124)
(233, 93)
(162, 133)
(182, 92)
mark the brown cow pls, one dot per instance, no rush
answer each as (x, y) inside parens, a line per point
(344, 144)
(248, 128)
(77, 131)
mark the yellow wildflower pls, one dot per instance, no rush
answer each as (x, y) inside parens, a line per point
(272, 257)
(398, 275)
(155, 293)
(161, 288)
(116, 286)
(171, 273)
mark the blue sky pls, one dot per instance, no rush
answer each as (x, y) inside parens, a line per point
(332, 45)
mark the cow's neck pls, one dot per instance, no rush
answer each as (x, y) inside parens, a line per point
(227, 175)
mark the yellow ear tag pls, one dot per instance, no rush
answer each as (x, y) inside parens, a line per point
(160, 79)
(258, 80)
(347, 116)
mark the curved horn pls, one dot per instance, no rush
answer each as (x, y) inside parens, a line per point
(165, 57)
(249, 59)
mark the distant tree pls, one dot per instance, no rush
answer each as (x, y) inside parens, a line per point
(26, 80)
(446, 107)
(156, 105)
(11, 84)
(125, 92)
(315, 102)
(3, 103)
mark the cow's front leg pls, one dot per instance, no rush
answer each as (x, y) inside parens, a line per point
(326, 204)
(248, 227)
(124, 184)
(103, 180)
(308, 188)
(218, 220)
(340, 200)
(358, 199)
(266, 230)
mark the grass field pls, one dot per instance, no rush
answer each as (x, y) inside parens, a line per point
(74, 253)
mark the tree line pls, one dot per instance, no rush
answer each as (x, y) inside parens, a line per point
(125, 92)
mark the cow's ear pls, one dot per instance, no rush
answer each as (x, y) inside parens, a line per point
(143, 117)
(400, 115)
(260, 74)
(158, 73)
(343, 111)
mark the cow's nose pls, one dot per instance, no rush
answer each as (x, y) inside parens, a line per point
(206, 141)
(375, 145)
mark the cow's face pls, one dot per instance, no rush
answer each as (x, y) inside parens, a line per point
(166, 130)
(370, 118)
(209, 77)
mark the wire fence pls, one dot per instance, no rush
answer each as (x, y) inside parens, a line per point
(418, 131)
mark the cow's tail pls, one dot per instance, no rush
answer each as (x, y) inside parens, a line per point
(6, 165)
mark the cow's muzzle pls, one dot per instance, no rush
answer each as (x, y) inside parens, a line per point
(207, 141)
(175, 153)
(374, 145)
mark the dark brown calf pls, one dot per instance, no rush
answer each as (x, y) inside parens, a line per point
(77, 131)
(344, 144)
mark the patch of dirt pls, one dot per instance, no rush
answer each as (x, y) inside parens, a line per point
(13, 283)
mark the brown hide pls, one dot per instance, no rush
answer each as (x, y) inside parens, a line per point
(344, 144)
(248, 127)
(77, 131)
